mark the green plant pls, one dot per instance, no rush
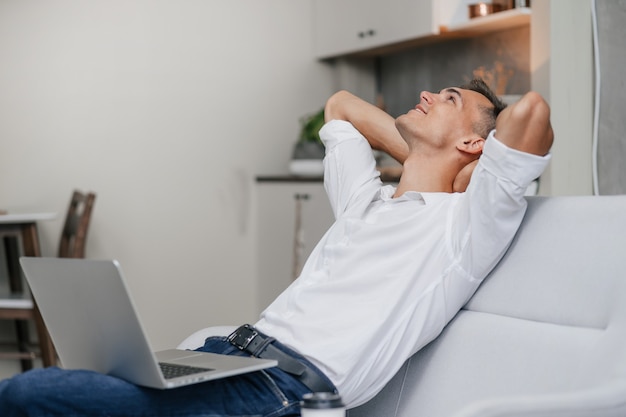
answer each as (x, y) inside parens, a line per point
(311, 125)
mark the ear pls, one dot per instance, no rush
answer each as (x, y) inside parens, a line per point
(473, 145)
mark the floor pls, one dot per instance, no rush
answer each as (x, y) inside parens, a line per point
(8, 367)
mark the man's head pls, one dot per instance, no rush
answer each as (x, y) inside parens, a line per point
(490, 113)
(455, 120)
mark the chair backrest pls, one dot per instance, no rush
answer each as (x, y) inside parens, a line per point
(545, 334)
(74, 233)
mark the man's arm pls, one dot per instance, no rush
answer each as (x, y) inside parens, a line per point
(377, 126)
(525, 125)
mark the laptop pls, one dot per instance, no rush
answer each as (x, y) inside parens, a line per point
(93, 324)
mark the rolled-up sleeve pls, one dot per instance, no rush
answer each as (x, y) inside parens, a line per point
(349, 165)
(493, 206)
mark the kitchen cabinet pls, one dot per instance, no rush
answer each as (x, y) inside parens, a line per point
(375, 27)
(347, 26)
(292, 216)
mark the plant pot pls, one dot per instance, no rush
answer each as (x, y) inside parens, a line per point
(308, 150)
(307, 159)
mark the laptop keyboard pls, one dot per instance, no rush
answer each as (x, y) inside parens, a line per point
(173, 370)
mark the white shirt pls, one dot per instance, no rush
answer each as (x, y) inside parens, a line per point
(390, 273)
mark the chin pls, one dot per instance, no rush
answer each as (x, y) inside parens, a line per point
(406, 127)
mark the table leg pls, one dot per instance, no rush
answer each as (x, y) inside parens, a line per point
(12, 250)
(22, 334)
(30, 241)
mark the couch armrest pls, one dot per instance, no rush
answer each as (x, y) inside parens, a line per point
(603, 401)
(197, 339)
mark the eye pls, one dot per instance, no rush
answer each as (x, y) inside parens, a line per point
(452, 98)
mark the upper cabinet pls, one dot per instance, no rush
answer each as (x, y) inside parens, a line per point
(346, 27)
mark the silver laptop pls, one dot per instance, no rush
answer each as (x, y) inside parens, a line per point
(92, 321)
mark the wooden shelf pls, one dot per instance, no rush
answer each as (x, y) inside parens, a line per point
(477, 26)
(491, 23)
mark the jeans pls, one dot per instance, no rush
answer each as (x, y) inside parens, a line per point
(70, 393)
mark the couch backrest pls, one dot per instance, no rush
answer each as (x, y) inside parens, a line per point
(546, 327)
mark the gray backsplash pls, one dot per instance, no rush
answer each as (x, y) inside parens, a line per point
(501, 58)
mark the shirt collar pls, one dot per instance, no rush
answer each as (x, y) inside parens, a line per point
(387, 192)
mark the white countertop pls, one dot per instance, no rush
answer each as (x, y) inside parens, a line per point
(26, 217)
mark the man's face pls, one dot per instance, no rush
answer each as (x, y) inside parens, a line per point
(442, 119)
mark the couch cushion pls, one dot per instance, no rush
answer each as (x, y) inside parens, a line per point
(549, 320)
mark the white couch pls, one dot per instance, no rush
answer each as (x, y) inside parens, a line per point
(545, 334)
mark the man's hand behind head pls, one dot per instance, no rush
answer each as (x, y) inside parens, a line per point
(463, 177)
(525, 125)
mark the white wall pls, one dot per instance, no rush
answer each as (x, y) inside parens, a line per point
(168, 110)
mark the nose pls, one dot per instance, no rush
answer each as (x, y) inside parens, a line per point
(427, 97)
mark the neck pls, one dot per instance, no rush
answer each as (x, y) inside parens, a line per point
(428, 175)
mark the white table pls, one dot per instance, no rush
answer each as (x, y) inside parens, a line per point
(13, 218)
(14, 227)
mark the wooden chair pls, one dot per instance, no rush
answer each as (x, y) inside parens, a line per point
(74, 233)
(18, 305)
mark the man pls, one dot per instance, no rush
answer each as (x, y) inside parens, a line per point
(394, 268)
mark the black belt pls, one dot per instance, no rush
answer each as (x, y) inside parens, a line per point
(248, 339)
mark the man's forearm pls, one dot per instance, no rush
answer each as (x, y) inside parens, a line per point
(377, 126)
(525, 125)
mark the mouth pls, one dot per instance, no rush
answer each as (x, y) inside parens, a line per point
(420, 109)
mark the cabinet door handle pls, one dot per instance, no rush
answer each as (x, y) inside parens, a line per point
(365, 33)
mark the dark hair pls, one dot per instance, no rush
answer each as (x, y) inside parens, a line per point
(488, 123)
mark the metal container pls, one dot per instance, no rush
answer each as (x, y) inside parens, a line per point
(506, 4)
(483, 9)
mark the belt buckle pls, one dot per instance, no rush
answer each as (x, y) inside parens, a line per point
(243, 336)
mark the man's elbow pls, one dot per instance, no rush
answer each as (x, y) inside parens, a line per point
(335, 108)
(533, 107)
(537, 113)
(525, 125)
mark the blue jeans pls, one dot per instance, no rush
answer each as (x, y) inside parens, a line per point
(70, 393)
